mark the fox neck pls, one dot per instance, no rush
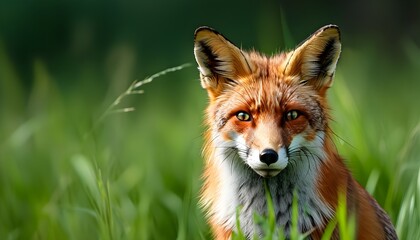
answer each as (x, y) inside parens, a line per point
(239, 187)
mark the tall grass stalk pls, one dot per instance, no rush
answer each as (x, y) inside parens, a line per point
(134, 89)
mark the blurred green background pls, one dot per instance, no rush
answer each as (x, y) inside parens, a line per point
(69, 172)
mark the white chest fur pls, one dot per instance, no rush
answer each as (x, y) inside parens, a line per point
(243, 188)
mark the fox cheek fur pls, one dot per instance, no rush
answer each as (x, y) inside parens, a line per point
(267, 121)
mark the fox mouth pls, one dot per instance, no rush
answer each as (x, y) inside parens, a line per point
(267, 172)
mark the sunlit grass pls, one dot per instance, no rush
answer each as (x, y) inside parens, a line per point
(58, 184)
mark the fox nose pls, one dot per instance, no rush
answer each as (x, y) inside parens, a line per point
(268, 156)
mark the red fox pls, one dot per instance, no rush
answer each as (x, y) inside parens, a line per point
(268, 120)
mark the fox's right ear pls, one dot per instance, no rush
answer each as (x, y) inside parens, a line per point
(220, 62)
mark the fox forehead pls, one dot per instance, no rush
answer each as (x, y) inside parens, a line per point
(268, 90)
(267, 80)
(269, 68)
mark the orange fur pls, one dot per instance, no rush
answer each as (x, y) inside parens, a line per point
(269, 90)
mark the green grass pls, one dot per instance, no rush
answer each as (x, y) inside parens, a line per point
(69, 172)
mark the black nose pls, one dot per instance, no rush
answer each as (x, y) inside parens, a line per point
(268, 156)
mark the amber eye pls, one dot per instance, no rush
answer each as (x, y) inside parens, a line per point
(292, 115)
(243, 116)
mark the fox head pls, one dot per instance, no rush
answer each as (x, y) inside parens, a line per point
(269, 111)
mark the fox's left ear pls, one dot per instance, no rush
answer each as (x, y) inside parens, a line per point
(315, 60)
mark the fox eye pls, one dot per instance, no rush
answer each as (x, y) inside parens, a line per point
(292, 115)
(243, 116)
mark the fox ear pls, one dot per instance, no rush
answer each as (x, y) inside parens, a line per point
(220, 62)
(315, 60)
